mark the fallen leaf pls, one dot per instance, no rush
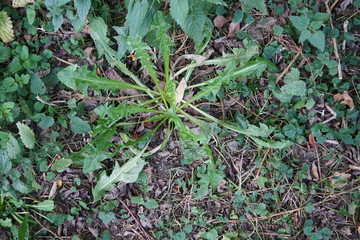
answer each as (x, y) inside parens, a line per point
(233, 28)
(312, 141)
(180, 90)
(269, 23)
(336, 181)
(345, 98)
(219, 21)
(112, 74)
(314, 172)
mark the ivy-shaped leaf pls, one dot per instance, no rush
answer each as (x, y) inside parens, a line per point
(6, 28)
(248, 5)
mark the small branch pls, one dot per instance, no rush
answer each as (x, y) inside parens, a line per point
(242, 105)
(262, 162)
(63, 61)
(335, 196)
(136, 220)
(48, 230)
(336, 52)
(288, 67)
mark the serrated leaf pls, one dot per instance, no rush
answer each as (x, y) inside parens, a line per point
(37, 86)
(6, 28)
(82, 8)
(300, 22)
(140, 16)
(292, 75)
(317, 39)
(248, 5)
(84, 78)
(5, 54)
(21, 3)
(8, 85)
(93, 159)
(295, 88)
(24, 228)
(61, 164)
(179, 11)
(26, 134)
(47, 205)
(12, 147)
(305, 34)
(106, 218)
(127, 173)
(5, 162)
(194, 25)
(79, 126)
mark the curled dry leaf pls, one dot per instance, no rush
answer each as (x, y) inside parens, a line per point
(180, 90)
(233, 28)
(312, 141)
(219, 21)
(314, 172)
(337, 177)
(345, 98)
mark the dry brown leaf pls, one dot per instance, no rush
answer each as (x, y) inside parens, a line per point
(180, 90)
(345, 98)
(233, 28)
(335, 180)
(219, 21)
(312, 141)
(269, 23)
(314, 172)
(112, 74)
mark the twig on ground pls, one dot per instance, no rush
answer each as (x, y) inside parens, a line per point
(333, 5)
(62, 60)
(293, 210)
(136, 220)
(288, 67)
(262, 162)
(48, 230)
(242, 105)
(336, 52)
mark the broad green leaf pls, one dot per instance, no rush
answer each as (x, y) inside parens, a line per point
(61, 164)
(295, 88)
(37, 86)
(151, 204)
(31, 14)
(5, 222)
(248, 5)
(179, 11)
(21, 3)
(26, 135)
(21, 187)
(127, 173)
(82, 8)
(47, 205)
(24, 228)
(57, 21)
(98, 32)
(317, 39)
(292, 76)
(5, 53)
(194, 25)
(79, 126)
(6, 28)
(5, 162)
(12, 147)
(8, 85)
(106, 218)
(300, 22)
(261, 182)
(73, 76)
(305, 34)
(93, 158)
(320, 16)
